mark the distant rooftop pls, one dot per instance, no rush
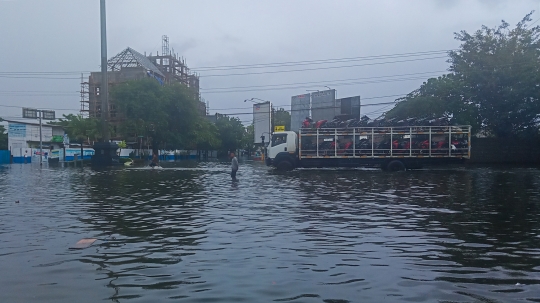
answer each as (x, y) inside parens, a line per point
(131, 58)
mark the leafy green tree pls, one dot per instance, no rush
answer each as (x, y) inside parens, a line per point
(231, 132)
(3, 137)
(80, 129)
(208, 137)
(437, 97)
(493, 84)
(168, 114)
(499, 69)
(248, 138)
(282, 117)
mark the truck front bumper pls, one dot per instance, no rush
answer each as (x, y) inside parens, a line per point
(268, 161)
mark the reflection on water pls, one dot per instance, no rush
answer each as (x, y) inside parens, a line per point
(187, 233)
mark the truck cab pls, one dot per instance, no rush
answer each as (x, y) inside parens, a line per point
(282, 151)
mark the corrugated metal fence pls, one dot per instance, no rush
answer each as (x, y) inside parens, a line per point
(4, 156)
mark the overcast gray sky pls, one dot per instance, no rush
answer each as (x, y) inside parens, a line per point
(46, 45)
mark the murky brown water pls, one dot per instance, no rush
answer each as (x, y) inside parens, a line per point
(188, 234)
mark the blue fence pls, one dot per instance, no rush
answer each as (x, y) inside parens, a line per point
(4, 156)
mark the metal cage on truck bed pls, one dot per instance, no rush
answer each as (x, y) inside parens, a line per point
(385, 142)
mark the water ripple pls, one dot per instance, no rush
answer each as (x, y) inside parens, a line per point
(187, 233)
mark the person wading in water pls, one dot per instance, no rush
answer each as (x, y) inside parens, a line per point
(234, 166)
(155, 160)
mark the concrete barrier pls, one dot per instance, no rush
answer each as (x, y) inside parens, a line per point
(505, 151)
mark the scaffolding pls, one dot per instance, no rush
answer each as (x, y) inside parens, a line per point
(85, 102)
(129, 64)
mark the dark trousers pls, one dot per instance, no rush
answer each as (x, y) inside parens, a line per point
(233, 173)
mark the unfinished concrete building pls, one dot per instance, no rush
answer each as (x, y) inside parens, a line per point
(129, 64)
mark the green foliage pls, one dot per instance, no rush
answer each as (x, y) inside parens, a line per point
(499, 68)
(493, 83)
(248, 138)
(208, 136)
(438, 97)
(3, 137)
(80, 129)
(168, 114)
(122, 144)
(231, 132)
(282, 117)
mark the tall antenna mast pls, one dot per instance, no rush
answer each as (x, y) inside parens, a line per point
(164, 45)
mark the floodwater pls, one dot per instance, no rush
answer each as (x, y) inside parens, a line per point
(186, 233)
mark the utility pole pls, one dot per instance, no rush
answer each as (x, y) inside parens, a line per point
(40, 141)
(105, 152)
(40, 114)
(272, 118)
(104, 93)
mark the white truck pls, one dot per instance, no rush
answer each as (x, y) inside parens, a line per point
(390, 148)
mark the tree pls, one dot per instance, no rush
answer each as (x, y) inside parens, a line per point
(248, 138)
(231, 132)
(121, 144)
(499, 69)
(208, 137)
(80, 129)
(3, 137)
(438, 97)
(493, 84)
(282, 117)
(168, 114)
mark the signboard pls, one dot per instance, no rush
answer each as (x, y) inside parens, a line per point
(31, 113)
(17, 130)
(48, 114)
(300, 106)
(279, 128)
(32, 133)
(65, 139)
(349, 106)
(323, 105)
(262, 122)
(57, 139)
(55, 153)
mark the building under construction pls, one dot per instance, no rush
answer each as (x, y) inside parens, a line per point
(128, 65)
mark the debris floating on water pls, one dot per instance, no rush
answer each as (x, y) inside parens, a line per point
(84, 243)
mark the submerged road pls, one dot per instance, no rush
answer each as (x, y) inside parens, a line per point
(188, 234)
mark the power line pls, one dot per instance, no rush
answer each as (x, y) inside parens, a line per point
(285, 105)
(326, 107)
(45, 73)
(59, 109)
(320, 68)
(322, 61)
(36, 91)
(329, 82)
(300, 87)
(38, 77)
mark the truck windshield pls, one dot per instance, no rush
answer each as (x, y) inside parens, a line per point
(279, 139)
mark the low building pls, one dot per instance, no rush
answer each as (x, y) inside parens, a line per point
(24, 142)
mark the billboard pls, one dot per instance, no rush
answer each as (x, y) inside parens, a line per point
(299, 110)
(349, 106)
(323, 105)
(262, 115)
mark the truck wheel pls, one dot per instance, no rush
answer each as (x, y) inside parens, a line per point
(395, 165)
(285, 165)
